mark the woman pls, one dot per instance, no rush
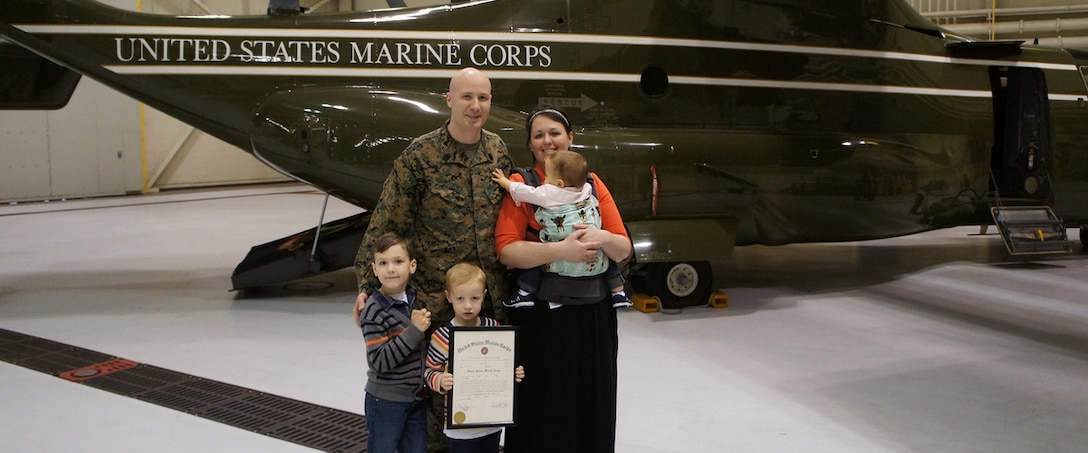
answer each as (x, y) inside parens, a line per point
(569, 402)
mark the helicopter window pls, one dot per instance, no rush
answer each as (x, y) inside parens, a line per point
(1084, 76)
(654, 81)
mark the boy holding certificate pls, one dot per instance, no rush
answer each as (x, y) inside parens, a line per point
(465, 291)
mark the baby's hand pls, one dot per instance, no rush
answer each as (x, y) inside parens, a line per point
(421, 319)
(498, 176)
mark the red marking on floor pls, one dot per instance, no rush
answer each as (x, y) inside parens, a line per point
(97, 370)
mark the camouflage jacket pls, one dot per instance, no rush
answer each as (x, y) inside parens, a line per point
(441, 196)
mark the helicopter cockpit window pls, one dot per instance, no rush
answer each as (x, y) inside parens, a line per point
(1084, 76)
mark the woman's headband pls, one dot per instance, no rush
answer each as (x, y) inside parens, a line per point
(566, 122)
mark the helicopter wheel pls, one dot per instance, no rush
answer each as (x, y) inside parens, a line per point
(680, 284)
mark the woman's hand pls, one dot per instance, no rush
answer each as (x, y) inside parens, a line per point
(575, 248)
(591, 233)
(617, 247)
(578, 248)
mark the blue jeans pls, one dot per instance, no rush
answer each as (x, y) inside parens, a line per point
(394, 426)
(486, 444)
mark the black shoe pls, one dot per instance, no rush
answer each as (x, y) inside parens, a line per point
(519, 301)
(621, 301)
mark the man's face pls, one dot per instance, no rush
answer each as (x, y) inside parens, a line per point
(469, 100)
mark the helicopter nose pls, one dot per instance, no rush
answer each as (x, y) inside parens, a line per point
(325, 136)
(290, 132)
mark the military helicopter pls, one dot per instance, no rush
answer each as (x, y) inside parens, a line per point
(715, 124)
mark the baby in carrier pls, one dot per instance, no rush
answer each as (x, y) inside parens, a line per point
(562, 202)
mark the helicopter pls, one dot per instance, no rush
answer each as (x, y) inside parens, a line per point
(715, 124)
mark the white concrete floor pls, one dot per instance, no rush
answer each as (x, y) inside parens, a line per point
(938, 342)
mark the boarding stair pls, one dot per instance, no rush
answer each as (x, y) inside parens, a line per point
(1031, 230)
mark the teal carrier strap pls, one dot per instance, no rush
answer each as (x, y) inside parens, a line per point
(561, 289)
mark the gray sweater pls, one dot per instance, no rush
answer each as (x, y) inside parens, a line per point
(394, 349)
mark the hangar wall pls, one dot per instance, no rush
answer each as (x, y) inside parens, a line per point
(1062, 23)
(104, 143)
(91, 147)
(94, 147)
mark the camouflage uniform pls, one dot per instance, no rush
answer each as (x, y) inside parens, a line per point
(441, 196)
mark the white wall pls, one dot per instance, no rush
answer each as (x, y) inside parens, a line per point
(1060, 23)
(93, 147)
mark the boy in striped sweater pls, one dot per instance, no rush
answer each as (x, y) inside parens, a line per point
(396, 410)
(465, 288)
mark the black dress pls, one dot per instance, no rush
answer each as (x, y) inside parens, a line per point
(567, 402)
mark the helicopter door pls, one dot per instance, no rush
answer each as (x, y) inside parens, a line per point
(1020, 163)
(1020, 158)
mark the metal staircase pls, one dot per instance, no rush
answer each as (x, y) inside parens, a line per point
(1031, 230)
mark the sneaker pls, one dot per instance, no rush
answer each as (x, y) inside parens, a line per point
(621, 301)
(519, 301)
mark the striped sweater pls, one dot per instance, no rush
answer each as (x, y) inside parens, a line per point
(394, 349)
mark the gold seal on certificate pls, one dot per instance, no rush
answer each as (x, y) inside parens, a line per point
(482, 361)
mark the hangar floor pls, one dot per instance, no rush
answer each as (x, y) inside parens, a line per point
(933, 342)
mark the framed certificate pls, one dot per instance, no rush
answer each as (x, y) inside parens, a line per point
(482, 360)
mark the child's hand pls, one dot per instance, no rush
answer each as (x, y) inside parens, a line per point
(519, 373)
(446, 382)
(498, 176)
(421, 319)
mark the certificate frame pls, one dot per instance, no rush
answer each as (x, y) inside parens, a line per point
(484, 393)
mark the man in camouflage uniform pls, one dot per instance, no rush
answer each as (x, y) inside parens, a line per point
(441, 196)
